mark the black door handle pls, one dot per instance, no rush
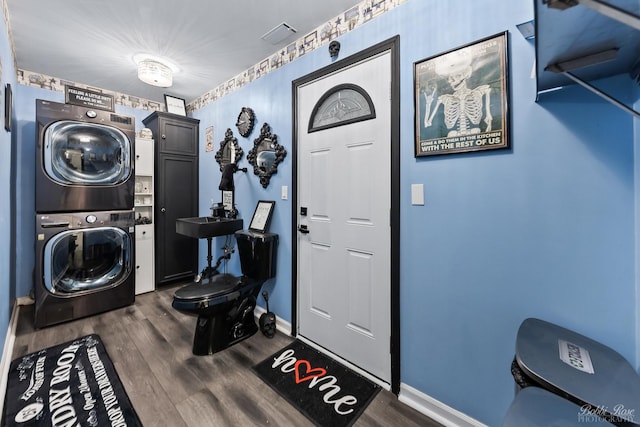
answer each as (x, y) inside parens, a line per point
(303, 229)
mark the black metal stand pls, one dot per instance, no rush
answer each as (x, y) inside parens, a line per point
(210, 271)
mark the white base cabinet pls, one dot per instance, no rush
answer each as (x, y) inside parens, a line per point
(144, 259)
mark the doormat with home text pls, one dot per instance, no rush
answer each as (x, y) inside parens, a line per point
(71, 384)
(328, 393)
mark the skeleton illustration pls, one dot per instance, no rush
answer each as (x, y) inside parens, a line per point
(463, 109)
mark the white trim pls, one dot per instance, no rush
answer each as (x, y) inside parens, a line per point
(435, 409)
(24, 301)
(7, 352)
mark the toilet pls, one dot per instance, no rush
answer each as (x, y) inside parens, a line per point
(225, 303)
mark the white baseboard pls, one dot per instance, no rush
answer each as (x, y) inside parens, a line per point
(435, 409)
(24, 301)
(281, 325)
(7, 352)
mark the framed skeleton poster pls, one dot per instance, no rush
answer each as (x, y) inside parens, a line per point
(461, 99)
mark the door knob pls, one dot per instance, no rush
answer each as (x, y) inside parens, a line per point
(303, 229)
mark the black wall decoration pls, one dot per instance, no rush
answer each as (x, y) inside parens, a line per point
(246, 121)
(265, 155)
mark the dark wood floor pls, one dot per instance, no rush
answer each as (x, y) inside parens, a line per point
(150, 346)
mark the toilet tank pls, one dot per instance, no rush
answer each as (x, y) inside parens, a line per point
(257, 253)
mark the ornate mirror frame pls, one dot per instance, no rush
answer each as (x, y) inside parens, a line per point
(229, 142)
(265, 166)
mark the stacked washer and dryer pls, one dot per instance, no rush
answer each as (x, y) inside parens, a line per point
(84, 212)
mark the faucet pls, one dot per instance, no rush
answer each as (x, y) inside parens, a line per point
(217, 210)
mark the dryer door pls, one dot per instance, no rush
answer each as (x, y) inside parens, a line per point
(87, 260)
(77, 153)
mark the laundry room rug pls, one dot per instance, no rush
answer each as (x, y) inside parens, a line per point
(73, 383)
(328, 393)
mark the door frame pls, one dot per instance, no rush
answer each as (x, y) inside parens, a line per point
(393, 46)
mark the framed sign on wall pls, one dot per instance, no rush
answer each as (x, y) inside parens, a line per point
(461, 99)
(175, 105)
(262, 216)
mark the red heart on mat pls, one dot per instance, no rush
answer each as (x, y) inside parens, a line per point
(309, 373)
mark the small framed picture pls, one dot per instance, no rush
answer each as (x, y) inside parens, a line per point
(262, 216)
(175, 105)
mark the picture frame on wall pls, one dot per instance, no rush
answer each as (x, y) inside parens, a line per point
(175, 105)
(8, 103)
(461, 99)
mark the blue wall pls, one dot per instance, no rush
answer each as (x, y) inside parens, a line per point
(545, 229)
(7, 150)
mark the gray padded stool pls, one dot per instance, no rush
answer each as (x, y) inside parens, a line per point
(579, 369)
(537, 407)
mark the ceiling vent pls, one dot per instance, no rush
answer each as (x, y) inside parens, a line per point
(279, 33)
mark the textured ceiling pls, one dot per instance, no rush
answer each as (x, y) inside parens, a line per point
(93, 42)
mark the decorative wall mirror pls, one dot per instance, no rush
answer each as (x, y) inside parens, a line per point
(230, 151)
(266, 154)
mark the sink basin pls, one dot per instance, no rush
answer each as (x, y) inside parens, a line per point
(207, 226)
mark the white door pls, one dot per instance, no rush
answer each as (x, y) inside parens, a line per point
(344, 182)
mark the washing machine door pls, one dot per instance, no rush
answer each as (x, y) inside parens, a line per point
(88, 154)
(87, 260)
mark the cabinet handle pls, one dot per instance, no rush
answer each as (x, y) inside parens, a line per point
(163, 210)
(144, 232)
(164, 136)
(137, 266)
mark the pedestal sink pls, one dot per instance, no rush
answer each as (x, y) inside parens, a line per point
(203, 227)
(208, 227)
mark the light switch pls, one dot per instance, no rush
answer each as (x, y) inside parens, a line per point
(417, 194)
(284, 192)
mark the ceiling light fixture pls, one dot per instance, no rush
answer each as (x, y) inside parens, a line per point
(155, 71)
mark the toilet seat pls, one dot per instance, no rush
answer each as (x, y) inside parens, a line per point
(209, 288)
(217, 290)
(211, 292)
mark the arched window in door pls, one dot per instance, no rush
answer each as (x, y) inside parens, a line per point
(341, 105)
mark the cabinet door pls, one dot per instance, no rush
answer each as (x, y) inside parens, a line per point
(144, 156)
(144, 259)
(176, 197)
(178, 136)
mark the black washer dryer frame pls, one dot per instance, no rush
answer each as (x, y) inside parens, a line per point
(84, 264)
(84, 159)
